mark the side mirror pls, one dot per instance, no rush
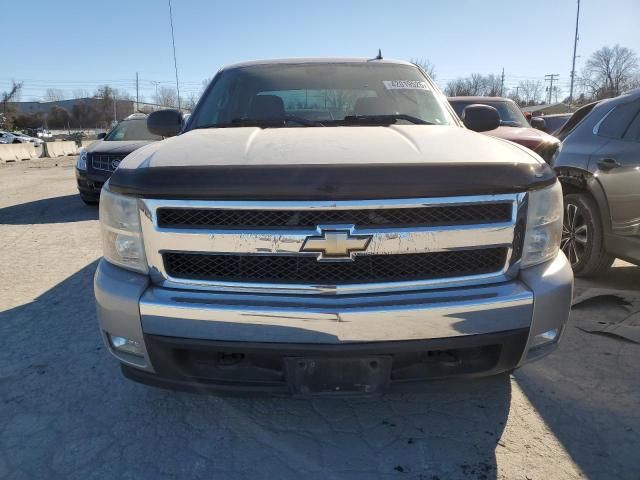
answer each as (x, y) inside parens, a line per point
(539, 123)
(100, 136)
(480, 118)
(165, 123)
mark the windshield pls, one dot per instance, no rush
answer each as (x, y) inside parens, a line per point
(320, 95)
(131, 130)
(510, 114)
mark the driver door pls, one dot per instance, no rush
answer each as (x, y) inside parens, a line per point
(616, 164)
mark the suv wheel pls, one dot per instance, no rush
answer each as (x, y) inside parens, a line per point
(582, 236)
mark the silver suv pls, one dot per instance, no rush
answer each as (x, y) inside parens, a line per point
(329, 227)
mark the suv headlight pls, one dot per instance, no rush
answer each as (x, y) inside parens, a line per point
(81, 163)
(544, 225)
(121, 235)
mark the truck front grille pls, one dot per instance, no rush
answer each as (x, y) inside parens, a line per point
(387, 245)
(391, 217)
(106, 162)
(364, 269)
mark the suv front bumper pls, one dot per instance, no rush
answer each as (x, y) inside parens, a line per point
(90, 184)
(202, 340)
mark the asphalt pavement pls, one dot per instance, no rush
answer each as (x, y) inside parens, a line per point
(66, 411)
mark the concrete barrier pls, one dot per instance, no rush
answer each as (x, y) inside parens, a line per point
(17, 151)
(86, 143)
(59, 149)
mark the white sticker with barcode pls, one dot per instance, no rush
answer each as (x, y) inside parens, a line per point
(405, 85)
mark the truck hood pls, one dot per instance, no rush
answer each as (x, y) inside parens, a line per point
(100, 146)
(328, 163)
(410, 144)
(527, 136)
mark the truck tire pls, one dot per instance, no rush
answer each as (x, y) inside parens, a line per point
(583, 236)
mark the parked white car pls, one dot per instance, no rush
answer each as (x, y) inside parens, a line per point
(24, 138)
(44, 133)
(8, 137)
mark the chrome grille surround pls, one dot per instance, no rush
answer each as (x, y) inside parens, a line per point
(276, 241)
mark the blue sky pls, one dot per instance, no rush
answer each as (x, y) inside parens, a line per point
(83, 45)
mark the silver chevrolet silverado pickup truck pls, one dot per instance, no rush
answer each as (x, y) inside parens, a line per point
(328, 226)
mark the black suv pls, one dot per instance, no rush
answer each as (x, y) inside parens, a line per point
(599, 166)
(98, 161)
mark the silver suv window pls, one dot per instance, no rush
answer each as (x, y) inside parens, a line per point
(617, 121)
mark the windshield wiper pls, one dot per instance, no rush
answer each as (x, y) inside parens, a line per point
(264, 123)
(383, 119)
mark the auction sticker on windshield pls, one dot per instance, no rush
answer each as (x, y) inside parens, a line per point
(405, 85)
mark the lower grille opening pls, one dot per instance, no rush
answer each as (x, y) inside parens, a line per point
(268, 367)
(305, 269)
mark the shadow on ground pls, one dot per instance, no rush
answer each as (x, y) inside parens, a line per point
(588, 393)
(621, 277)
(66, 412)
(69, 208)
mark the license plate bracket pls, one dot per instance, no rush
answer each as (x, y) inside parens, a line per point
(337, 375)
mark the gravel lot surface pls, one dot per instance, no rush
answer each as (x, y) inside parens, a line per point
(66, 412)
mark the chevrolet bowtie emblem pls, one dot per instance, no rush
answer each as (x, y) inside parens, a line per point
(336, 244)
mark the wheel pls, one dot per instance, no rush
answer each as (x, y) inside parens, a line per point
(89, 200)
(583, 236)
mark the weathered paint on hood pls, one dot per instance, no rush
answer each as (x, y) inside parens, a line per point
(329, 163)
(253, 146)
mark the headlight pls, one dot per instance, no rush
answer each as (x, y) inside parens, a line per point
(81, 163)
(121, 235)
(544, 225)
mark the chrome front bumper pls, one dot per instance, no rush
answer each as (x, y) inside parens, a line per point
(129, 306)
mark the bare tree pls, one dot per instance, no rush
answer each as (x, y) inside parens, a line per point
(475, 84)
(609, 72)
(530, 91)
(190, 102)
(425, 65)
(458, 87)
(492, 85)
(167, 97)
(53, 95)
(80, 93)
(11, 95)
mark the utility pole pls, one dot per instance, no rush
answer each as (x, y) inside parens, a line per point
(137, 94)
(175, 62)
(153, 82)
(502, 83)
(551, 78)
(518, 93)
(575, 47)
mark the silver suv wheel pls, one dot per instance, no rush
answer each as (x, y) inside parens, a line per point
(575, 233)
(583, 236)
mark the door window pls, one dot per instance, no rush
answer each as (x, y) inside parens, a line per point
(633, 132)
(616, 123)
